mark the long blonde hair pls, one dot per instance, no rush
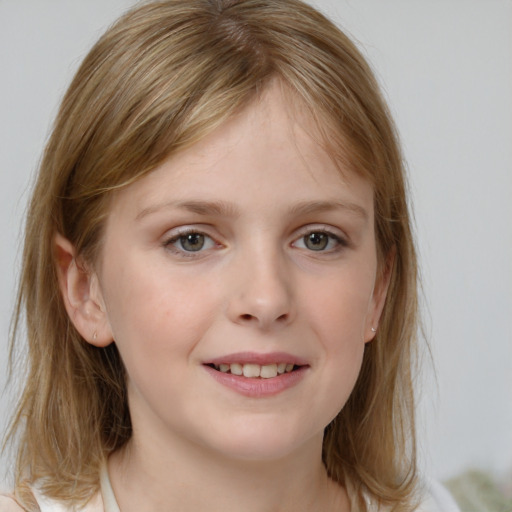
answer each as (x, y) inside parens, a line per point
(166, 74)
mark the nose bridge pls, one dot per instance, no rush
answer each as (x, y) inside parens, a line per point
(262, 293)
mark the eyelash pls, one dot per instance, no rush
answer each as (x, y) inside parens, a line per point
(170, 243)
(340, 242)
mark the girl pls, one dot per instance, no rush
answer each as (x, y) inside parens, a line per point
(219, 277)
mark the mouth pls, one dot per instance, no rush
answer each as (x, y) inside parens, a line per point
(258, 375)
(255, 371)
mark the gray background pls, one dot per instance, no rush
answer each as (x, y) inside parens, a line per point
(446, 68)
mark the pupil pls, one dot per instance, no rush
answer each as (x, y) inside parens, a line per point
(192, 241)
(316, 241)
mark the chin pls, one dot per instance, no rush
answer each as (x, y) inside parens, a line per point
(266, 443)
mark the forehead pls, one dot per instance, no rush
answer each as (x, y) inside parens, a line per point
(267, 154)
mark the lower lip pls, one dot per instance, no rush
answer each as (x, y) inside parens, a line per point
(258, 387)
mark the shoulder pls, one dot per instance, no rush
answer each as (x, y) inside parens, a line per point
(437, 499)
(433, 498)
(8, 504)
(47, 504)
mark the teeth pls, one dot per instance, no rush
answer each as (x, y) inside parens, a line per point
(252, 370)
(237, 369)
(267, 371)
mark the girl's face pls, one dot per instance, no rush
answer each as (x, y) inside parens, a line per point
(246, 254)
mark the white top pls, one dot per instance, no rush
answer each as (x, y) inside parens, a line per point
(437, 499)
(103, 501)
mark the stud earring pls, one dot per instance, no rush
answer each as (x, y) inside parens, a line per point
(94, 335)
(373, 329)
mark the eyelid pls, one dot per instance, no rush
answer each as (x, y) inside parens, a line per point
(173, 236)
(334, 233)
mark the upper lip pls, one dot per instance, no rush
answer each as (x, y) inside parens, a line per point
(257, 358)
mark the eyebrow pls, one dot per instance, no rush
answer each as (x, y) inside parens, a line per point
(309, 207)
(213, 208)
(227, 209)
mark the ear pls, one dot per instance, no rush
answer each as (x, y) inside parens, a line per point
(81, 294)
(379, 295)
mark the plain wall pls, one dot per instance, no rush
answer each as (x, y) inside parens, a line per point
(446, 69)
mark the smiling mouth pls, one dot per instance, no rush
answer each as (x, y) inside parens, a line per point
(255, 371)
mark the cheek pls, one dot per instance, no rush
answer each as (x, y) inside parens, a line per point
(339, 306)
(156, 315)
(338, 314)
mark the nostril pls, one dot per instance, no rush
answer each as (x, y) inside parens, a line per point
(247, 317)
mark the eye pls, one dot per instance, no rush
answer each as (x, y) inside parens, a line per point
(316, 241)
(190, 242)
(319, 241)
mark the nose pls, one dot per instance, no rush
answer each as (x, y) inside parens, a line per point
(261, 293)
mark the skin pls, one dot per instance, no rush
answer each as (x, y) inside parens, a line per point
(257, 286)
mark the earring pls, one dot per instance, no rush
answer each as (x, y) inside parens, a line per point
(94, 335)
(373, 329)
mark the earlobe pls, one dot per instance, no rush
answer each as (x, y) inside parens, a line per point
(81, 294)
(379, 297)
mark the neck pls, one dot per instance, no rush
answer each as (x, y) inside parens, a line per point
(184, 477)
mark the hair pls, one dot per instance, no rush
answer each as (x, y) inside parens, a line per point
(162, 77)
